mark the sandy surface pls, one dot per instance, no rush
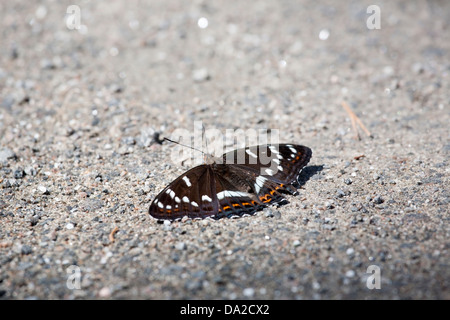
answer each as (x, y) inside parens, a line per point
(79, 164)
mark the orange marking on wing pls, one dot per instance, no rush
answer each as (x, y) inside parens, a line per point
(265, 198)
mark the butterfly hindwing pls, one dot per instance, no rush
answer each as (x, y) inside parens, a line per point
(234, 196)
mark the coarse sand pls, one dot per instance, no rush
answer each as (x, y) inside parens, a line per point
(84, 104)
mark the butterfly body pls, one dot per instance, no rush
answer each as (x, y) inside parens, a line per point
(240, 182)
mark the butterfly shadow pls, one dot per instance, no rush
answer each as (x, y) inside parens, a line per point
(306, 174)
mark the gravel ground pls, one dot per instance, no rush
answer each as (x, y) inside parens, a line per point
(80, 162)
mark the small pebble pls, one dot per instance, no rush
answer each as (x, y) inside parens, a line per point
(180, 246)
(6, 154)
(19, 174)
(248, 292)
(268, 213)
(329, 205)
(104, 292)
(378, 200)
(340, 193)
(417, 68)
(43, 189)
(70, 226)
(316, 285)
(348, 181)
(26, 249)
(30, 171)
(350, 274)
(200, 75)
(34, 221)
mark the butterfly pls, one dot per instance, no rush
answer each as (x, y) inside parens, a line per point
(240, 182)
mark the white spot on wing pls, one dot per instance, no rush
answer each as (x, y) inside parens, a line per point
(206, 198)
(250, 153)
(273, 149)
(227, 193)
(259, 183)
(168, 207)
(280, 168)
(160, 205)
(194, 204)
(186, 199)
(269, 172)
(188, 182)
(292, 149)
(177, 200)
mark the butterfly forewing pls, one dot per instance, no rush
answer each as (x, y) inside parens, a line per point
(280, 163)
(185, 196)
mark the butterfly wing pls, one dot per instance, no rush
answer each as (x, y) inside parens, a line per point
(234, 194)
(270, 168)
(246, 181)
(204, 192)
(185, 196)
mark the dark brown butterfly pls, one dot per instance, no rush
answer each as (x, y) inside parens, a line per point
(242, 181)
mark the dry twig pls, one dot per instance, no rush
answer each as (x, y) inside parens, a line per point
(111, 235)
(355, 120)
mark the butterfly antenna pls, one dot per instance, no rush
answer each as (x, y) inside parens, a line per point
(204, 138)
(167, 139)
